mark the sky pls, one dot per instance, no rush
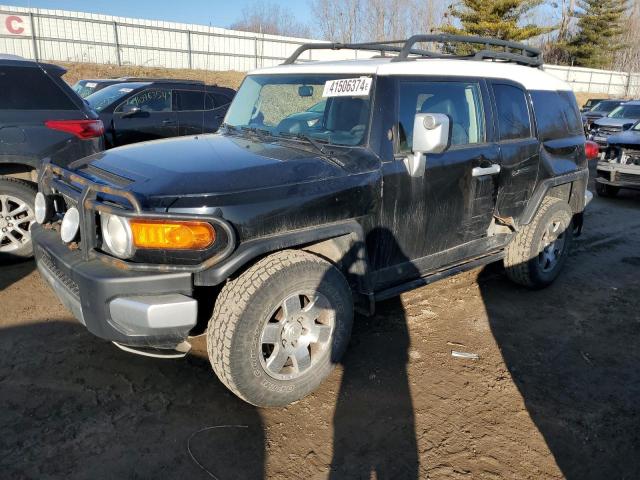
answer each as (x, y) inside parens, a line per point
(217, 13)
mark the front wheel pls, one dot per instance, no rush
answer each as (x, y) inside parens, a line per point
(278, 329)
(535, 256)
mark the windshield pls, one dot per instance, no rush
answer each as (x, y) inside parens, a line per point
(636, 127)
(84, 88)
(625, 111)
(108, 95)
(605, 106)
(300, 105)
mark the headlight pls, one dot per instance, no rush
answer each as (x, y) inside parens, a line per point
(116, 234)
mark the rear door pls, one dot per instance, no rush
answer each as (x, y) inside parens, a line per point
(519, 148)
(190, 107)
(156, 118)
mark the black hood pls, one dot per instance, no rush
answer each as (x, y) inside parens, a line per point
(629, 138)
(614, 122)
(217, 164)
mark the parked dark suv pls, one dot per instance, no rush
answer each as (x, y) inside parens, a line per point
(618, 120)
(417, 168)
(40, 118)
(599, 110)
(149, 110)
(86, 87)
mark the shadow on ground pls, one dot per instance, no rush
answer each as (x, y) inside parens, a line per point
(11, 271)
(80, 398)
(578, 374)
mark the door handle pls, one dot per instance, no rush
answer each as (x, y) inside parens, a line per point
(492, 170)
(168, 122)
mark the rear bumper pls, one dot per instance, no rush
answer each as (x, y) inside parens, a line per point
(139, 309)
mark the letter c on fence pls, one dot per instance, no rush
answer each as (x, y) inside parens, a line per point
(11, 22)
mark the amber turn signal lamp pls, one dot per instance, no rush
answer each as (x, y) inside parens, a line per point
(176, 235)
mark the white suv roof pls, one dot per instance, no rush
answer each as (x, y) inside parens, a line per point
(530, 78)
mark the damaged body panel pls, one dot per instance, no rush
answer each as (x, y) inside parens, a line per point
(620, 167)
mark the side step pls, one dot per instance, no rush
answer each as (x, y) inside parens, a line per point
(434, 277)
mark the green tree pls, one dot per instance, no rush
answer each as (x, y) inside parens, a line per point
(501, 19)
(599, 29)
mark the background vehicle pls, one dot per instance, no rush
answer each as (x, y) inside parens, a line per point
(620, 167)
(40, 117)
(418, 169)
(86, 87)
(599, 110)
(592, 102)
(620, 118)
(149, 110)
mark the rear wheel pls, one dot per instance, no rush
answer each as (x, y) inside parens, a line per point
(604, 190)
(16, 217)
(279, 328)
(535, 256)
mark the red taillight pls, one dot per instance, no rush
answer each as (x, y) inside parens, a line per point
(80, 128)
(591, 149)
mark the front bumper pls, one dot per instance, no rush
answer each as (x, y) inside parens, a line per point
(617, 175)
(139, 309)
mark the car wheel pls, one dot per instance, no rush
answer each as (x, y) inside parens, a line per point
(536, 254)
(16, 216)
(279, 328)
(604, 190)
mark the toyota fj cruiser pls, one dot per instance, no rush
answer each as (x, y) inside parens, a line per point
(419, 166)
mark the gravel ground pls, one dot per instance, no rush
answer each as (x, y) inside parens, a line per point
(554, 393)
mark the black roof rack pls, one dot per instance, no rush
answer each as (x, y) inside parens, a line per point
(511, 51)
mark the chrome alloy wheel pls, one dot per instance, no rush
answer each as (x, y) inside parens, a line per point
(553, 241)
(16, 216)
(297, 335)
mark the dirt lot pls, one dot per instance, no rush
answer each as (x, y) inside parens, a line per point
(554, 393)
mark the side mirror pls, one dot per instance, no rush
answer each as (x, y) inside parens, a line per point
(431, 134)
(130, 110)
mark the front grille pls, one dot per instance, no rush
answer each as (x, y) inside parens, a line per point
(609, 130)
(628, 178)
(49, 263)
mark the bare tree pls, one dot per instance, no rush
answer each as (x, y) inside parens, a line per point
(368, 20)
(270, 18)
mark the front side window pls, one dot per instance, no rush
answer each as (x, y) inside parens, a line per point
(288, 105)
(513, 114)
(151, 100)
(460, 101)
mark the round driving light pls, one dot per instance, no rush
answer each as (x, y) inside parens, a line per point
(70, 225)
(41, 208)
(116, 234)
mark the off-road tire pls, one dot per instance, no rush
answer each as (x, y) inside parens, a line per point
(242, 307)
(25, 191)
(606, 191)
(521, 255)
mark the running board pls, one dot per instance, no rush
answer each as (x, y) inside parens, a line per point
(434, 277)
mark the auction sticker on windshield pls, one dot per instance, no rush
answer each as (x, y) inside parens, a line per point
(347, 87)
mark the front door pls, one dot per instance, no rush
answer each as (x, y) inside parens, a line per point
(155, 119)
(424, 219)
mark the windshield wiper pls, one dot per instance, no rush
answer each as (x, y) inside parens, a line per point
(314, 143)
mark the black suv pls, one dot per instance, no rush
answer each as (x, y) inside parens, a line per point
(416, 168)
(40, 118)
(153, 109)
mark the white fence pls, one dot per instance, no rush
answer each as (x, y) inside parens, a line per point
(60, 35)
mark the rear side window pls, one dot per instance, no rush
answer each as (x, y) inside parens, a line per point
(513, 114)
(190, 100)
(556, 115)
(30, 88)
